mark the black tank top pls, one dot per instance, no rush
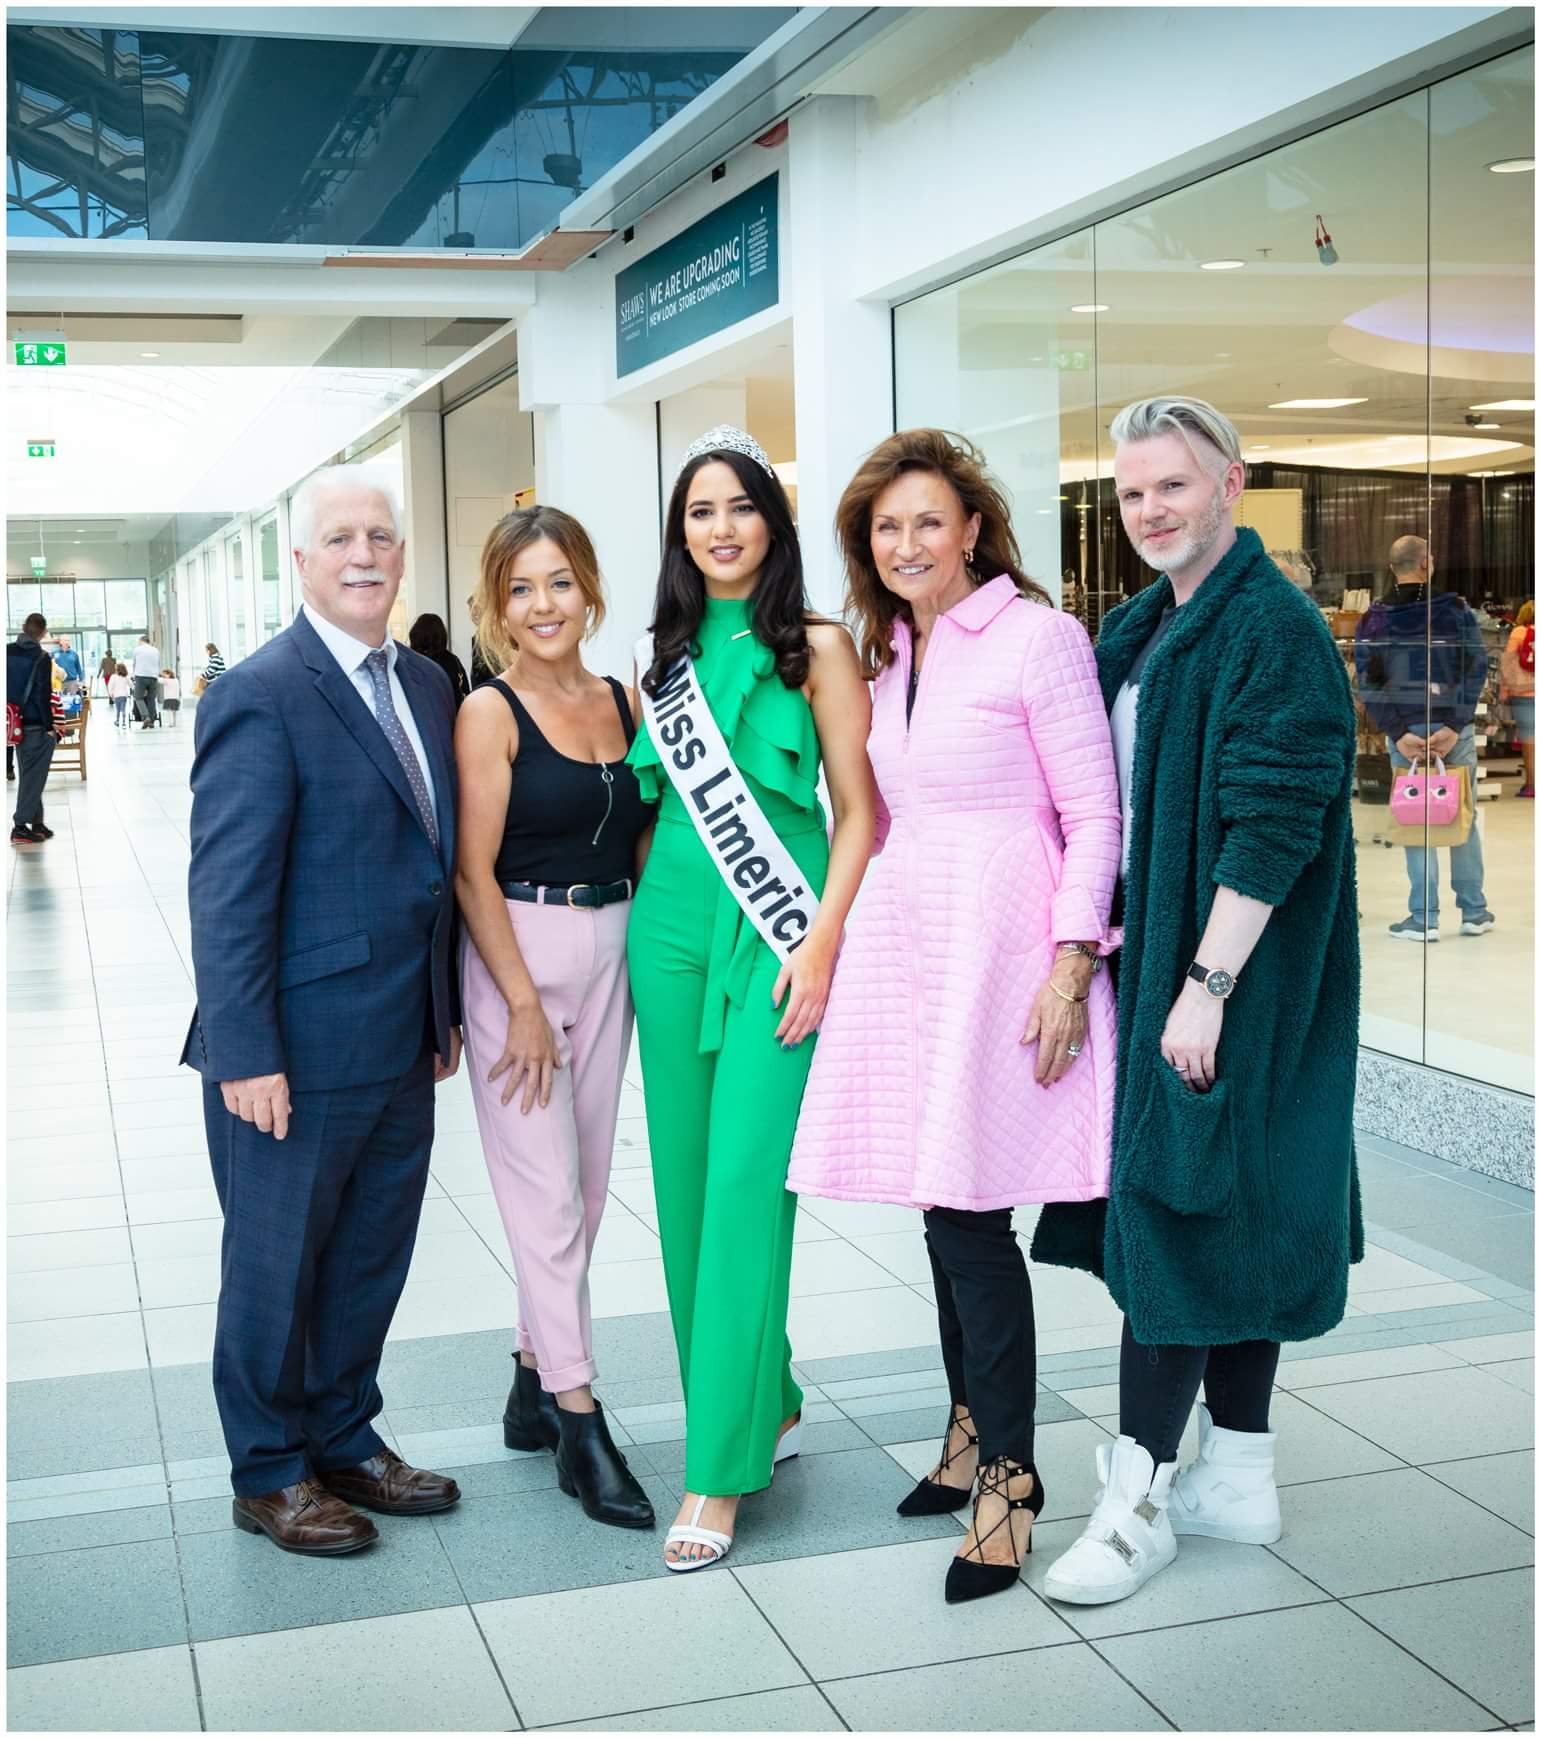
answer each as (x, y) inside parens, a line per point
(569, 821)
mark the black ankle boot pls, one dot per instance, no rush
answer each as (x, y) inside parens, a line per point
(530, 1418)
(591, 1468)
(971, 1577)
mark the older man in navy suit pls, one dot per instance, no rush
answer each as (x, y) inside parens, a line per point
(321, 892)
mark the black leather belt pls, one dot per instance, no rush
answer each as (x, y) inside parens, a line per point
(582, 895)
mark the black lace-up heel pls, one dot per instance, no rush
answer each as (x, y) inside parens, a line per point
(970, 1577)
(930, 1496)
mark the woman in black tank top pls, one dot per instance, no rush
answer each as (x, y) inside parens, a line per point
(552, 836)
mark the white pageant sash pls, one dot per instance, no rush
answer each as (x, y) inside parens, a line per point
(755, 866)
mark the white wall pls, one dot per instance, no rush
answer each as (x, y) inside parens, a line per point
(489, 455)
(68, 559)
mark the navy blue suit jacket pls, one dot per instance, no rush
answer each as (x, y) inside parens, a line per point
(323, 919)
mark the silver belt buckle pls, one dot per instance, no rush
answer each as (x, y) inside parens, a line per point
(578, 887)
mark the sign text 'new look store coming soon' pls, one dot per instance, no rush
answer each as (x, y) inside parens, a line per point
(712, 275)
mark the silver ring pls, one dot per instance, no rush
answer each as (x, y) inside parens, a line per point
(1072, 1049)
(1181, 1067)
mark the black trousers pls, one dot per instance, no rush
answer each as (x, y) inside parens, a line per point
(34, 756)
(984, 1302)
(1157, 1386)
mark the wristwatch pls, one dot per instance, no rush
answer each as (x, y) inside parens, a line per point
(1218, 983)
(1066, 948)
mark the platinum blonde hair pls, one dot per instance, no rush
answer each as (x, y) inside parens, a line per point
(1188, 418)
(336, 479)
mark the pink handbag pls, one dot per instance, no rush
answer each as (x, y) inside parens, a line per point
(1421, 797)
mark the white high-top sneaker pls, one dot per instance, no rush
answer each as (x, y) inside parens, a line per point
(1228, 1492)
(1129, 1537)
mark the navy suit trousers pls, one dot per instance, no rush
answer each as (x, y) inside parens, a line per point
(319, 1229)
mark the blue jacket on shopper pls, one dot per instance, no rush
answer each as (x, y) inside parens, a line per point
(26, 660)
(1421, 663)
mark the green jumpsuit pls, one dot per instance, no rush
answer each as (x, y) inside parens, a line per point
(722, 1095)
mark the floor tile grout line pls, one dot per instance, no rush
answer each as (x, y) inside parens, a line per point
(790, 1650)
(1427, 1665)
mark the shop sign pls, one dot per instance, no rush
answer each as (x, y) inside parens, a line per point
(712, 275)
(40, 449)
(41, 350)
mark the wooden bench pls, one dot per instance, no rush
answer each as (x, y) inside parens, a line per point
(70, 753)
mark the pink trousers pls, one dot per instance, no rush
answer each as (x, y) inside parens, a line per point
(550, 1170)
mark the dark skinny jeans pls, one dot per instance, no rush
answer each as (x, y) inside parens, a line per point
(984, 1304)
(1157, 1386)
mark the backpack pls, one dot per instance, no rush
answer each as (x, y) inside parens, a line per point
(15, 730)
(1528, 652)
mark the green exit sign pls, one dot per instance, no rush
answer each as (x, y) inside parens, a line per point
(40, 449)
(39, 566)
(41, 352)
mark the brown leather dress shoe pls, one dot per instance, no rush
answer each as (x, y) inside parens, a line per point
(386, 1484)
(306, 1519)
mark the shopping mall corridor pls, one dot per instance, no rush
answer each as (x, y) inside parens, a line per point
(1401, 1595)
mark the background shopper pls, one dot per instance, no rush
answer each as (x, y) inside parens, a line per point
(725, 1027)
(171, 694)
(429, 637)
(1422, 667)
(1234, 1208)
(29, 687)
(119, 688)
(146, 673)
(215, 666)
(1517, 685)
(105, 672)
(966, 986)
(552, 824)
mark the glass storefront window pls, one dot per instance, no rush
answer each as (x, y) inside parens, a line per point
(126, 603)
(1413, 350)
(90, 603)
(58, 604)
(20, 601)
(272, 606)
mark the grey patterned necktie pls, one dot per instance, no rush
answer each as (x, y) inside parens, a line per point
(378, 663)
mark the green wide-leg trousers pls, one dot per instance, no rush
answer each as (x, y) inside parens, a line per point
(720, 1126)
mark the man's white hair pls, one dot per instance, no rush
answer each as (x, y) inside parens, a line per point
(334, 479)
(1188, 418)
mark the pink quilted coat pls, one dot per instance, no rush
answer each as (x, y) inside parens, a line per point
(998, 824)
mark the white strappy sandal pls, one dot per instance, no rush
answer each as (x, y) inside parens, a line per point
(791, 1443)
(695, 1534)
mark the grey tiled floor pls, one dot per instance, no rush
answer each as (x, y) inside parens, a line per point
(1400, 1597)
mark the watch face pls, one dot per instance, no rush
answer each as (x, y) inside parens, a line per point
(1219, 984)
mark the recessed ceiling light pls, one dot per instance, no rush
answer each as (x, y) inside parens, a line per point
(1263, 447)
(1222, 356)
(1315, 403)
(1487, 425)
(1506, 404)
(1513, 166)
(1088, 307)
(1045, 509)
(1221, 265)
(149, 352)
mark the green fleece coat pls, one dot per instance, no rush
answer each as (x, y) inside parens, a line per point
(1233, 1214)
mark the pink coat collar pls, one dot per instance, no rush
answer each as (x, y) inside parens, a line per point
(976, 611)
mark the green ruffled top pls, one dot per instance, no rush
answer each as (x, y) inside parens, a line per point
(769, 730)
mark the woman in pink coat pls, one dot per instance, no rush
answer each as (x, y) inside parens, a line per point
(965, 1062)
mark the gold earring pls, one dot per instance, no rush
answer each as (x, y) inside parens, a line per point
(968, 558)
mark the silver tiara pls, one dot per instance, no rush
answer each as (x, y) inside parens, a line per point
(727, 439)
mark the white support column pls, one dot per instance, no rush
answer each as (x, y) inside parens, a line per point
(599, 462)
(422, 476)
(682, 416)
(842, 354)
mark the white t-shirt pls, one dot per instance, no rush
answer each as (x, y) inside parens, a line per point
(1123, 722)
(171, 688)
(147, 660)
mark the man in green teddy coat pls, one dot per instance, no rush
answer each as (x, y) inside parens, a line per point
(1234, 1206)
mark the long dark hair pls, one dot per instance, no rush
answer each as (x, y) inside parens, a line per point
(780, 604)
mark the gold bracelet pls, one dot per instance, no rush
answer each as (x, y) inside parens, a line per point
(1061, 994)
